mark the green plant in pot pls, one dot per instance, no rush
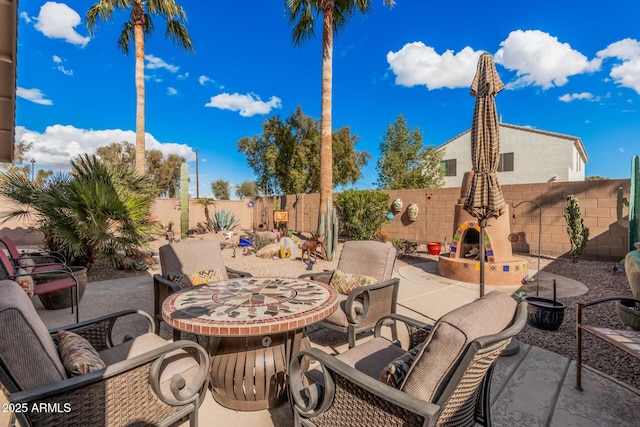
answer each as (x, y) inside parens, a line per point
(97, 210)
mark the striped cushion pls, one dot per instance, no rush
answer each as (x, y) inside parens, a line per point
(25, 282)
(77, 354)
(344, 283)
(199, 278)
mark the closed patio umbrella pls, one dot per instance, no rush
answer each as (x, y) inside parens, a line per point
(485, 199)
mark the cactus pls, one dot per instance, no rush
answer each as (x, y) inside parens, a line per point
(633, 223)
(184, 200)
(328, 229)
(578, 233)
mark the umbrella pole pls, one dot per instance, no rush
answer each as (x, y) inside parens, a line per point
(483, 224)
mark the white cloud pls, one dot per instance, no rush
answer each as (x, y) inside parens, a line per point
(248, 104)
(626, 74)
(541, 60)
(59, 143)
(33, 95)
(61, 68)
(418, 64)
(153, 63)
(172, 91)
(568, 97)
(57, 21)
(203, 80)
(25, 17)
(182, 76)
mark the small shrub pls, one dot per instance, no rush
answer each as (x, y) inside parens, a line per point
(361, 212)
(578, 233)
(405, 247)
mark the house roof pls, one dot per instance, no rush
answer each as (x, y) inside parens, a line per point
(8, 62)
(577, 142)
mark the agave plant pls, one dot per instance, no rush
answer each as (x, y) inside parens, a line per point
(98, 210)
(224, 220)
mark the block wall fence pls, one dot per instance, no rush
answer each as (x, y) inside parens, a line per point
(608, 240)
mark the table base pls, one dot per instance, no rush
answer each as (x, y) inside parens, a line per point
(251, 373)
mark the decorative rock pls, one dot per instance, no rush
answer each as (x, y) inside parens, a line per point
(632, 269)
(269, 251)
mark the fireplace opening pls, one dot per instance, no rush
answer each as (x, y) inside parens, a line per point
(471, 245)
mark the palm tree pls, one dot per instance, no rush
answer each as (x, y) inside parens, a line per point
(98, 210)
(206, 202)
(335, 14)
(140, 24)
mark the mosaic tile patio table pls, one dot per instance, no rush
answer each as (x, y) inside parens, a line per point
(257, 325)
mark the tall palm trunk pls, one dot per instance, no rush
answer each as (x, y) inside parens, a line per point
(140, 98)
(326, 144)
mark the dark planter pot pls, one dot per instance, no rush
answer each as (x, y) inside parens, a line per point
(544, 313)
(629, 314)
(62, 299)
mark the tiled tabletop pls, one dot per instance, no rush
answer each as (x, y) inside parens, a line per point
(249, 306)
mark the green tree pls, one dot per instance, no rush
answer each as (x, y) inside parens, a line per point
(163, 172)
(118, 152)
(285, 157)
(98, 210)
(20, 164)
(220, 189)
(247, 189)
(335, 14)
(205, 202)
(140, 25)
(404, 162)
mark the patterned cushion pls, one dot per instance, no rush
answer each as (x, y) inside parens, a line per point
(344, 283)
(26, 281)
(194, 279)
(394, 373)
(27, 263)
(77, 354)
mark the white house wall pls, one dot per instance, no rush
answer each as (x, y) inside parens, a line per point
(538, 156)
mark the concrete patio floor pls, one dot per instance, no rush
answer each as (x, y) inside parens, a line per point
(535, 387)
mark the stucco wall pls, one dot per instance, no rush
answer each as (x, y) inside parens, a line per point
(607, 239)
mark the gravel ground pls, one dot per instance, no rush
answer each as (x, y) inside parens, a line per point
(598, 276)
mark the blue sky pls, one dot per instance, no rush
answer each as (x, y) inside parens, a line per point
(570, 67)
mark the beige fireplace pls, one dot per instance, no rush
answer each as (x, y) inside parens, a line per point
(462, 261)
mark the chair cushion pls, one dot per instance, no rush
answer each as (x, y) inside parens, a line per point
(394, 373)
(25, 281)
(27, 263)
(191, 255)
(195, 279)
(344, 283)
(339, 317)
(27, 350)
(450, 338)
(176, 362)
(77, 354)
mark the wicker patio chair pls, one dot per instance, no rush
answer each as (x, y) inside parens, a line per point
(147, 380)
(360, 310)
(446, 381)
(186, 257)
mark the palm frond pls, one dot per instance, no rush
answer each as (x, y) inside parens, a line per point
(177, 32)
(124, 41)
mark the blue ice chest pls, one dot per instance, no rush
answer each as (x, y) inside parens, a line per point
(246, 241)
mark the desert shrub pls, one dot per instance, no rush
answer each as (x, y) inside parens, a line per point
(361, 212)
(224, 220)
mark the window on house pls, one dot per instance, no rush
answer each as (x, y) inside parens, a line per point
(449, 167)
(578, 162)
(506, 162)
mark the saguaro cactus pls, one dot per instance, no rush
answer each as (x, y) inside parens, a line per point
(633, 223)
(184, 200)
(328, 228)
(578, 233)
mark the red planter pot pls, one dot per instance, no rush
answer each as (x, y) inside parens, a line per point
(434, 248)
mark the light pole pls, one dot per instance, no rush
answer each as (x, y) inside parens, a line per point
(33, 169)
